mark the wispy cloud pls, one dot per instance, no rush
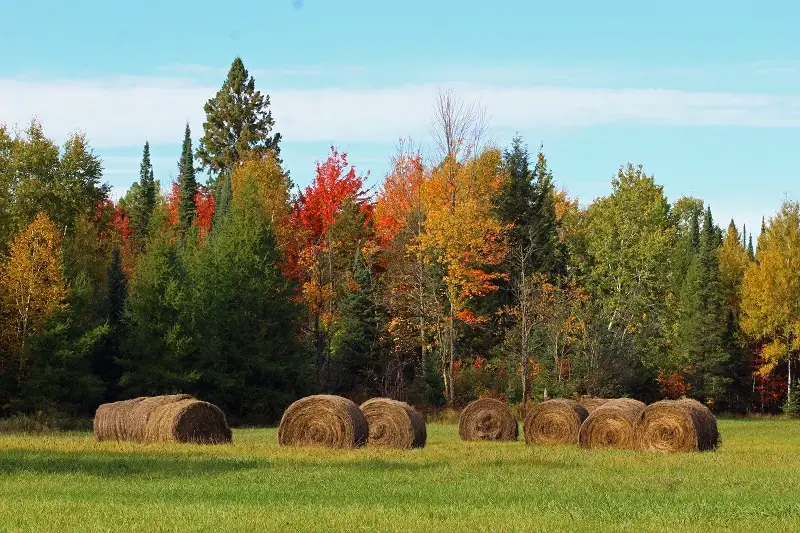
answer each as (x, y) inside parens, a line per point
(124, 111)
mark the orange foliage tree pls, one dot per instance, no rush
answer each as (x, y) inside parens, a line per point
(464, 237)
(320, 251)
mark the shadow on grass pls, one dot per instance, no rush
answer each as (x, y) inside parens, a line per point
(121, 465)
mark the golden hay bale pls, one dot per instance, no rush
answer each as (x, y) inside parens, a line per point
(323, 420)
(487, 419)
(140, 413)
(590, 404)
(555, 421)
(677, 426)
(612, 425)
(393, 424)
(187, 420)
(111, 419)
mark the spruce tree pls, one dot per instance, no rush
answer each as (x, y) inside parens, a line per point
(552, 255)
(238, 122)
(144, 197)
(187, 183)
(750, 251)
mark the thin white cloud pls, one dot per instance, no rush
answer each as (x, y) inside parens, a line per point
(126, 110)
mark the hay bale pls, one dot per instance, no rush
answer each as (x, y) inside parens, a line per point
(168, 418)
(555, 421)
(187, 420)
(140, 414)
(323, 420)
(611, 425)
(111, 419)
(677, 426)
(393, 424)
(487, 419)
(590, 404)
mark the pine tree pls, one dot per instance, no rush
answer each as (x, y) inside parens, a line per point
(144, 197)
(187, 184)
(238, 122)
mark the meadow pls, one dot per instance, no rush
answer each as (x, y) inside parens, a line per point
(69, 482)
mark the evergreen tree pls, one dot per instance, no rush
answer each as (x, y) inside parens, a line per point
(552, 254)
(224, 200)
(244, 318)
(144, 197)
(157, 342)
(187, 184)
(703, 320)
(354, 339)
(105, 365)
(238, 122)
(750, 251)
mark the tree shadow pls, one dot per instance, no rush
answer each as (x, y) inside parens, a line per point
(121, 465)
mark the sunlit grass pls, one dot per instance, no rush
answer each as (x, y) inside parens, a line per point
(69, 482)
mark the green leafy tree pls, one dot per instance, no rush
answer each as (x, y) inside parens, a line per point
(238, 122)
(187, 184)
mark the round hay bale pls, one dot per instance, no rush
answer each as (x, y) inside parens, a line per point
(555, 421)
(187, 420)
(677, 426)
(141, 412)
(393, 424)
(590, 404)
(611, 425)
(323, 420)
(111, 419)
(487, 419)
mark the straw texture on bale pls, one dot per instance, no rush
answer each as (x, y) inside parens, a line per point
(590, 404)
(111, 420)
(393, 424)
(487, 419)
(323, 420)
(612, 425)
(168, 418)
(677, 426)
(555, 421)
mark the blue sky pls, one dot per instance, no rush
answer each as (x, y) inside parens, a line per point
(706, 95)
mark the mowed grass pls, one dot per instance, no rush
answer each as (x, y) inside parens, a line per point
(69, 482)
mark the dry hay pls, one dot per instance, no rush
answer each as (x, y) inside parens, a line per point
(487, 419)
(168, 418)
(323, 420)
(187, 420)
(111, 419)
(590, 404)
(555, 421)
(393, 424)
(677, 426)
(612, 425)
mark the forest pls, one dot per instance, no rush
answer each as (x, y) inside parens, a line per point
(467, 273)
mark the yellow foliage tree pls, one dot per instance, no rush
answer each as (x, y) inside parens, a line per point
(273, 186)
(464, 237)
(733, 261)
(32, 286)
(771, 291)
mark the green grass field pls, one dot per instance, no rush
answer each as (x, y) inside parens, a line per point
(68, 482)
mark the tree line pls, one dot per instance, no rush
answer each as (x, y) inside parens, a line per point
(468, 273)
